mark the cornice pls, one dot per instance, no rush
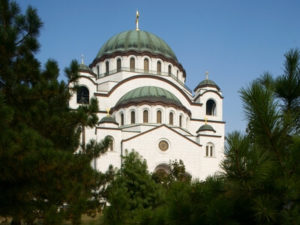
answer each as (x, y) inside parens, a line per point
(163, 125)
(211, 121)
(150, 77)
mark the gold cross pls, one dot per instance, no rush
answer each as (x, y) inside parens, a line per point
(205, 118)
(107, 111)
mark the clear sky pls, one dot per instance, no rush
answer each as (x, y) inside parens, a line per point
(235, 40)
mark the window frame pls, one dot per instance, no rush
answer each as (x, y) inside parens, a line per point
(171, 118)
(145, 116)
(83, 98)
(106, 68)
(132, 117)
(158, 68)
(119, 64)
(146, 64)
(211, 110)
(132, 64)
(159, 116)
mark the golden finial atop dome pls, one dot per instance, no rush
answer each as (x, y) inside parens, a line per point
(205, 119)
(108, 112)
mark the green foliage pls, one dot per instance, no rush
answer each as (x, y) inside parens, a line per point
(175, 171)
(262, 167)
(39, 137)
(132, 194)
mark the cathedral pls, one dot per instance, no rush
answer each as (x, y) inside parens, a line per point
(145, 106)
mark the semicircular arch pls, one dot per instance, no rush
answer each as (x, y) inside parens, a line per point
(133, 82)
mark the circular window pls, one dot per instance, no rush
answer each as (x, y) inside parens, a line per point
(163, 145)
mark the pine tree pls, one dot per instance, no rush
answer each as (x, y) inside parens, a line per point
(40, 172)
(262, 166)
(133, 194)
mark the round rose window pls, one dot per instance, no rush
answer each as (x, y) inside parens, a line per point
(163, 145)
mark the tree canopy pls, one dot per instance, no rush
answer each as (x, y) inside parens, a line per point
(39, 135)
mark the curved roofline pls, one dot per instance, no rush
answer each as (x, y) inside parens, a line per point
(207, 85)
(208, 91)
(87, 71)
(107, 121)
(151, 77)
(133, 52)
(206, 127)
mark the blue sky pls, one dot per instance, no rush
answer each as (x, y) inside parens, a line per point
(235, 40)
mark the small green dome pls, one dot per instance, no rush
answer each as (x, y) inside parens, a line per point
(149, 94)
(206, 127)
(108, 119)
(83, 67)
(207, 83)
(138, 41)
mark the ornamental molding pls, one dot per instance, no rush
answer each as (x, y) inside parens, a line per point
(150, 77)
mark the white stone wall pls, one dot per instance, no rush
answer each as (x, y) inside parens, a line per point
(144, 137)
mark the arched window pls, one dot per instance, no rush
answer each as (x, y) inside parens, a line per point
(83, 95)
(145, 116)
(180, 121)
(171, 118)
(161, 173)
(119, 65)
(111, 143)
(211, 107)
(122, 119)
(98, 71)
(106, 68)
(209, 151)
(146, 65)
(158, 116)
(159, 67)
(169, 70)
(132, 119)
(132, 64)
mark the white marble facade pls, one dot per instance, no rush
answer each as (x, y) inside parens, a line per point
(194, 134)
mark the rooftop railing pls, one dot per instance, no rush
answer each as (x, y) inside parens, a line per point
(151, 72)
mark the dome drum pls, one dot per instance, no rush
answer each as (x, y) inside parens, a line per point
(152, 102)
(129, 53)
(150, 95)
(151, 115)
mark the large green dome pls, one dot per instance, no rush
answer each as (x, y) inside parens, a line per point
(137, 41)
(149, 95)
